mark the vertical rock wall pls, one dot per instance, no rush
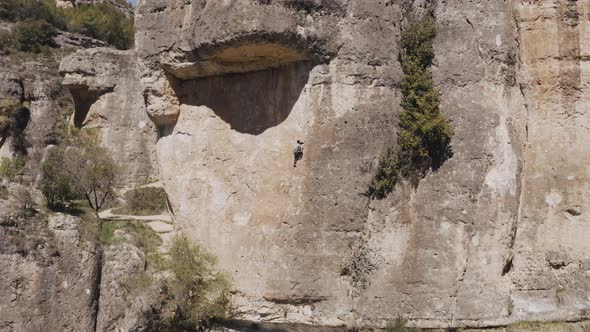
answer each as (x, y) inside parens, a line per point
(552, 251)
(496, 235)
(105, 86)
(48, 275)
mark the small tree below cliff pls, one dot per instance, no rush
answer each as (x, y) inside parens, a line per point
(194, 293)
(81, 169)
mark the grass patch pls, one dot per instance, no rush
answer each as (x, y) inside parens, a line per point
(90, 225)
(3, 193)
(147, 201)
(139, 234)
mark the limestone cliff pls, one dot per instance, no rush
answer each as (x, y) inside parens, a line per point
(498, 234)
(212, 101)
(104, 85)
(48, 274)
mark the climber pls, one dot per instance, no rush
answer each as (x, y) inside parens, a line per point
(297, 152)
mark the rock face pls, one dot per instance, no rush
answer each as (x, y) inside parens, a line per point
(552, 251)
(498, 234)
(124, 301)
(47, 275)
(121, 5)
(34, 80)
(107, 96)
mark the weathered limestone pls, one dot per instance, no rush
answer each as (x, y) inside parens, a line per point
(125, 303)
(552, 248)
(104, 84)
(233, 84)
(47, 275)
(121, 5)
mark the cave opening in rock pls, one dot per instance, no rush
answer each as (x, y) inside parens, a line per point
(83, 100)
(250, 102)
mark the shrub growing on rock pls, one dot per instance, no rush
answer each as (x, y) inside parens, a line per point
(56, 184)
(423, 140)
(9, 109)
(144, 202)
(104, 22)
(81, 170)
(33, 36)
(195, 293)
(101, 21)
(10, 167)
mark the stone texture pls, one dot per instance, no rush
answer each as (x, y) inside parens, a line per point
(124, 301)
(551, 274)
(36, 81)
(121, 5)
(491, 238)
(104, 84)
(497, 235)
(47, 275)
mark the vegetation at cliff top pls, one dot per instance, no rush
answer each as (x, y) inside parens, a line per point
(424, 136)
(38, 22)
(146, 201)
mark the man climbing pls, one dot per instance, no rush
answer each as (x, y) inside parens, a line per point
(298, 152)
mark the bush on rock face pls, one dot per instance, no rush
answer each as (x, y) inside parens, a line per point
(144, 202)
(39, 22)
(195, 293)
(81, 169)
(424, 136)
(10, 167)
(32, 36)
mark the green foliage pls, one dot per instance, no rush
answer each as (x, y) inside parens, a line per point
(9, 110)
(81, 170)
(100, 21)
(399, 325)
(195, 293)
(10, 167)
(145, 201)
(56, 184)
(140, 235)
(104, 22)
(33, 36)
(6, 41)
(3, 193)
(424, 136)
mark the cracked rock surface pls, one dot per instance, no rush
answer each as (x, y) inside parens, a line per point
(498, 234)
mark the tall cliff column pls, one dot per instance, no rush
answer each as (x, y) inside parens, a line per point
(552, 252)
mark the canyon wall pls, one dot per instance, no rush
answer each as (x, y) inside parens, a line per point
(496, 235)
(104, 84)
(48, 274)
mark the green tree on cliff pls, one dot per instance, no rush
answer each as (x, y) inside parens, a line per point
(424, 136)
(81, 169)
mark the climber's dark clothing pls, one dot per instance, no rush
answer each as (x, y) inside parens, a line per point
(297, 153)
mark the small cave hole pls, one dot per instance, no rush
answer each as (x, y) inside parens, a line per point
(507, 267)
(573, 212)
